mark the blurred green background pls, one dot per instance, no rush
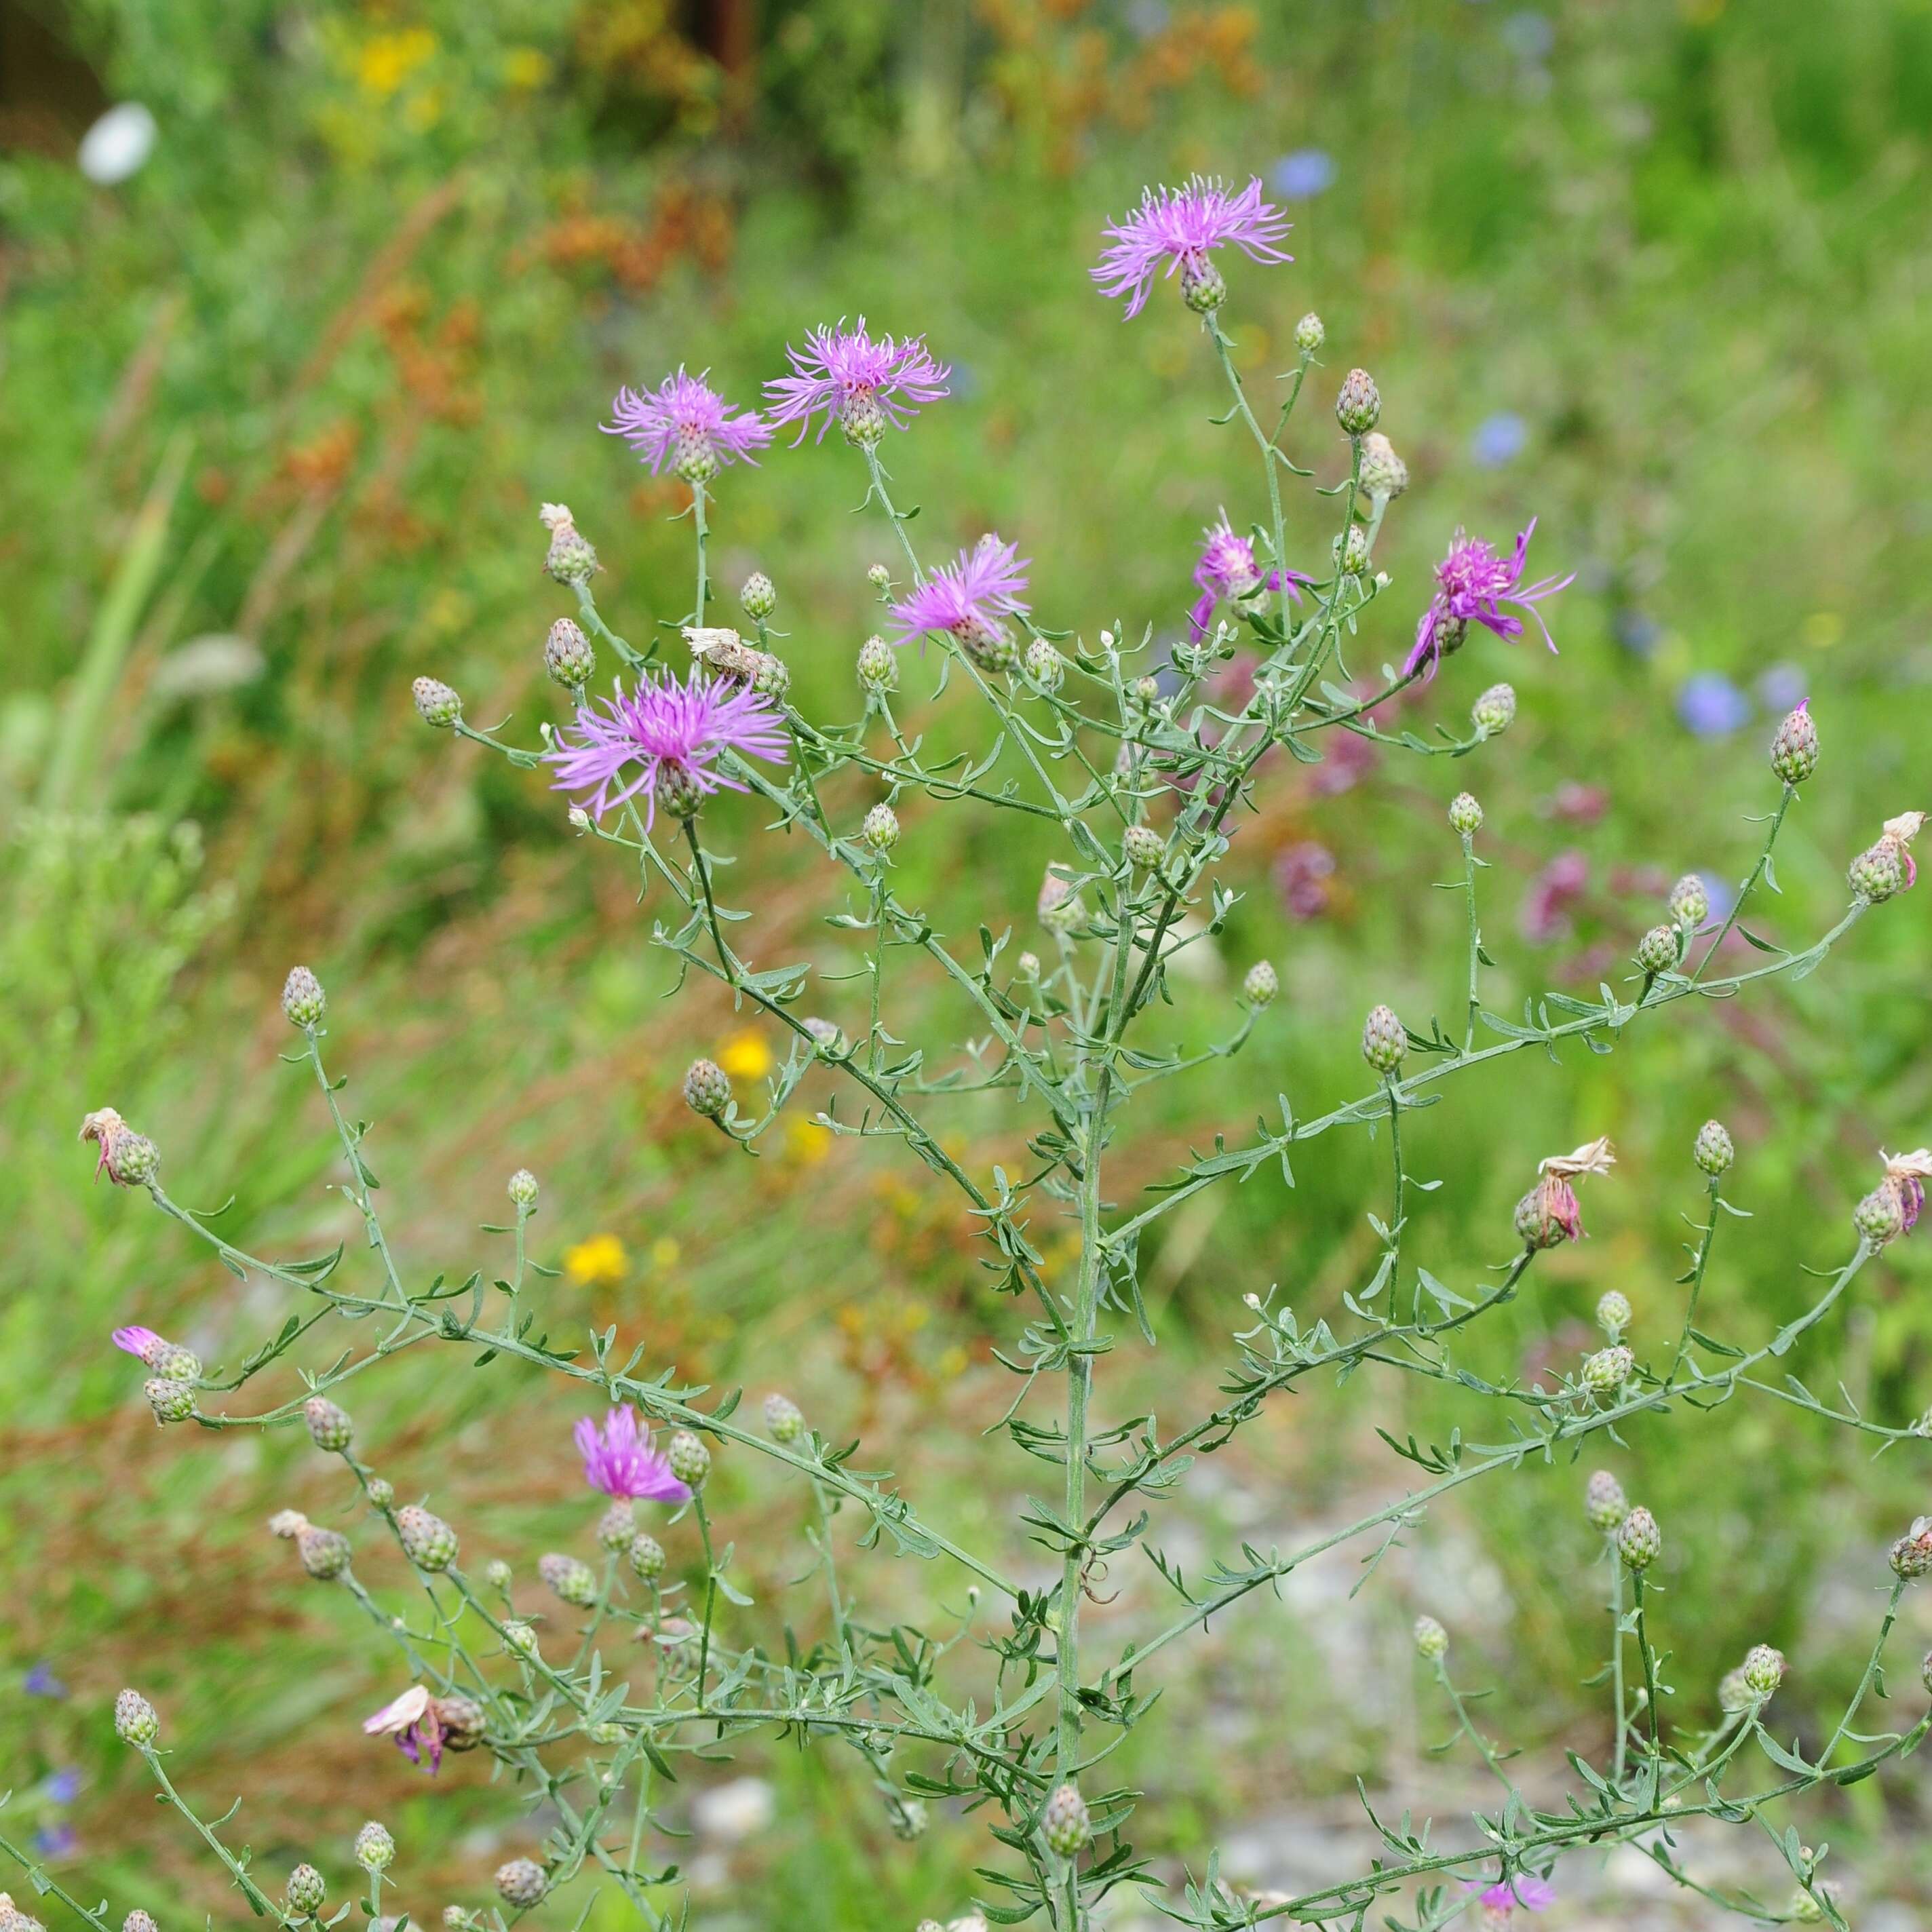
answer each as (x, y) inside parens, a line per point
(276, 413)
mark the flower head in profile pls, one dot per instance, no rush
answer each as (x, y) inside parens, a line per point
(685, 423)
(142, 1343)
(968, 600)
(672, 732)
(619, 1460)
(1900, 832)
(1227, 570)
(1182, 227)
(1549, 1213)
(1906, 1175)
(1472, 585)
(866, 383)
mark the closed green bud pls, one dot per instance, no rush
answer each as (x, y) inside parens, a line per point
(497, 1575)
(647, 1557)
(522, 1189)
(1261, 984)
(570, 559)
(1358, 403)
(881, 579)
(1144, 846)
(690, 1461)
(1763, 1669)
(568, 655)
(707, 1088)
(382, 1492)
(878, 665)
(1794, 749)
(1878, 873)
(1608, 1369)
(1045, 665)
(1712, 1150)
(1879, 1218)
(520, 1638)
(1064, 1823)
(1638, 1539)
(574, 1583)
(1465, 815)
(1384, 473)
(758, 596)
(1350, 551)
(1309, 335)
(521, 1883)
(436, 704)
(306, 1892)
(617, 1525)
(172, 1400)
(1432, 1640)
(1689, 904)
(303, 1000)
(1494, 711)
(1657, 950)
(784, 1418)
(135, 1722)
(1613, 1312)
(880, 830)
(1202, 286)
(325, 1553)
(375, 1849)
(1911, 1554)
(1605, 1505)
(428, 1541)
(1384, 1040)
(329, 1427)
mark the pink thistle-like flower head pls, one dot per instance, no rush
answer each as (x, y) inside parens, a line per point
(619, 1460)
(968, 599)
(685, 424)
(865, 383)
(674, 732)
(142, 1343)
(1906, 1174)
(1183, 226)
(411, 1719)
(1228, 569)
(1472, 585)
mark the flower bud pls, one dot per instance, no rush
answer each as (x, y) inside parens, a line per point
(133, 1160)
(1911, 1554)
(880, 578)
(570, 559)
(607, 1732)
(520, 1638)
(1712, 1150)
(574, 1583)
(135, 1722)
(1879, 1218)
(1045, 665)
(1350, 551)
(676, 790)
(375, 1849)
(1794, 750)
(1432, 1640)
(784, 1418)
(758, 596)
(1613, 1312)
(1465, 815)
(1384, 1040)
(522, 1189)
(428, 1541)
(828, 1036)
(878, 665)
(1734, 1694)
(568, 655)
(1689, 904)
(647, 1557)
(1203, 288)
(1638, 1539)
(1608, 1369)
(617, 1526)
(1605, 1506)
(136, 1921)
(1026, 966)
(177, 1363)
(690, 1461)
(382, 1492)
(1494, 711)
(454, 1918)
(1657, 950)
(1064, 1822)
(1261, 985)
(1384, 473)
(325, 1553)
(881, 829)
(329, 1426)
(497, 1576)
(1763, 1669)
(1358, 403)
(1059, 906)
(907, 1816)
(1309, 333)
(303, 1000)
(521, 1882)
(1146, 690)
(306, 1891)
(1877, 874)
(1143, 847)
(707, 1088)
(171, 1399)
(436, 704)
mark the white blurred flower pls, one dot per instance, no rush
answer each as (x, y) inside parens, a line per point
(735, 1811)
(118, 145)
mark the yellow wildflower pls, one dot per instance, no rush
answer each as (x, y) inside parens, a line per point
(525, 69)
(806, 1142)
(598, 1262)
(745, 1056)
(386, 61)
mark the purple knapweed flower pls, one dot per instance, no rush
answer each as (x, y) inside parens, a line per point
(142, 1343)
(684, 422)
(1182, 227)
(1710, 705)
(1303, 174)
(1545, 916)
(968, 600)
(619, 1460)
(1906, 1175)
(1472, 585)
(864, 383)
(1227, 569)
(41, 1682)
(1498, 439)
(674, 730)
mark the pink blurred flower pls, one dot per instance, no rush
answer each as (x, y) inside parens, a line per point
(1347, 758)
(1545, 916)
(1301, 876)
(619, 1460)
(1532, 1893)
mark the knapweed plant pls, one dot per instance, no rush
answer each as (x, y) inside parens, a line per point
(1142, 762)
